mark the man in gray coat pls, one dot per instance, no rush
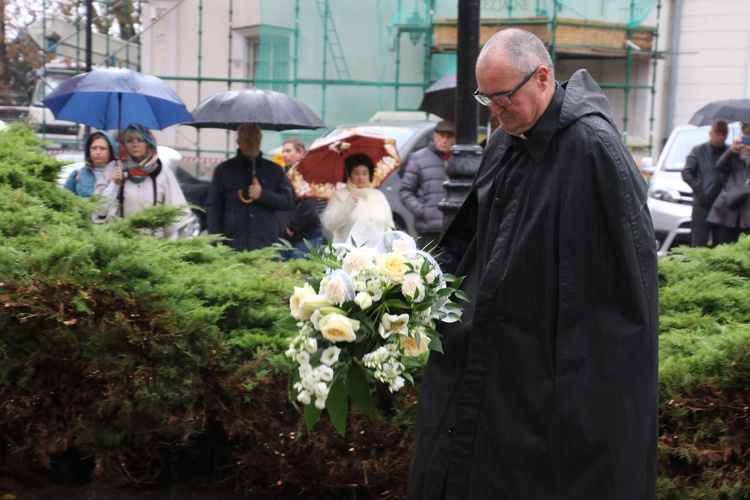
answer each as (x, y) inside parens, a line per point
(706, 181)
(422, 185)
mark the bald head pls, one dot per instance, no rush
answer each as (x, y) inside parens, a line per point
(521, 48)
(248, 140)
(515, 75)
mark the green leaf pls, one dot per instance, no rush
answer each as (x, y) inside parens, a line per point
(312, 415)
(436, 345)
(359, 389)
(337, 405)
(287, 323)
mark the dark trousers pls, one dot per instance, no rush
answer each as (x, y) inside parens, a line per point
(730, 234)
(702, 231)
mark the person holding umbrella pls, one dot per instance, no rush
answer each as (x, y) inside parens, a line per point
(733, 217)
(357, 201)
(99, 161)
(245, 193)
(139, 181)
(706, 181)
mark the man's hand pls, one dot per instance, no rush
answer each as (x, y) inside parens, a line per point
(255, 189)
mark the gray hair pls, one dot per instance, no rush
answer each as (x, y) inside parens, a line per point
(524, 49)
(296, 143)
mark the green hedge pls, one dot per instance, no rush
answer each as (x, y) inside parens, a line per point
(135, 360)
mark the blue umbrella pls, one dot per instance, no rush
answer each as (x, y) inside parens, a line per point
(111, 98)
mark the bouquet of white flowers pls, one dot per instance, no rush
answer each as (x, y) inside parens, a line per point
(373, 311)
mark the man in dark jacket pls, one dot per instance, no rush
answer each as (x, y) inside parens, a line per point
(422, 185)
(706, 181)
(547, 388)
(302, 222)
(245, 193)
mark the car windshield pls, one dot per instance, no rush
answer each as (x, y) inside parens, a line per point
(400, 134)
(684, 142)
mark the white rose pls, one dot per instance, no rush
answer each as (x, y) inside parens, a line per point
(430, 277)
(393, 265)
(338, 328)
(411, 349)
(412, 288)
(403, 245)
(358, 260)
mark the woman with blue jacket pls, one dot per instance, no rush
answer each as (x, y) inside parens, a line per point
(100, 153)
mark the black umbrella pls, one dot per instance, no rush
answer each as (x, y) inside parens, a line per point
(731, 110)
(268, 109)
(440, 99)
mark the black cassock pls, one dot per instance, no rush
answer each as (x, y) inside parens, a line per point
(548, 386)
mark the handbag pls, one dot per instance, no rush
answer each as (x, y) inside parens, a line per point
(738, 194)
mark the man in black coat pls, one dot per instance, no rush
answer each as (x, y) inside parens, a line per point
(245, 193)
(547, 388)
(706, 181)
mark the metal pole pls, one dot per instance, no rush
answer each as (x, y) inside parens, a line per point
(466, 154)
(89, 48)
(89, 19)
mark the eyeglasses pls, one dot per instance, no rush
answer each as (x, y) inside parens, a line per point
(502, 98)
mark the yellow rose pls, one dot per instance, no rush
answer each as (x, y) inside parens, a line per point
(411, 349)
(393, 265)
(300, 293)
(338, 328)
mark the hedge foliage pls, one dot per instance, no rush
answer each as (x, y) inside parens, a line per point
(134, 360)
(144, 359)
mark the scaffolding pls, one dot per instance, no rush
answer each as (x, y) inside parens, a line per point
(349, 60)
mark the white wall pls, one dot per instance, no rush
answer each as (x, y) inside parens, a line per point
(714, 55)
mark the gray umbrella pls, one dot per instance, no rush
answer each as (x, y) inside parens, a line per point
(268, 109)
(730, 110)
(440, 99)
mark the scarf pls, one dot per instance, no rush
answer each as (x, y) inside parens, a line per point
(359, 192)
(139, 170)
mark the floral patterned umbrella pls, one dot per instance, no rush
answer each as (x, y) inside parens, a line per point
(318, 173)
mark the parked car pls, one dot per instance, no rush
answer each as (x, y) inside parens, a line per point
(669, 197)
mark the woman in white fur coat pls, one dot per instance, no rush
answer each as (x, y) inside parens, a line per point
(357, 201)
